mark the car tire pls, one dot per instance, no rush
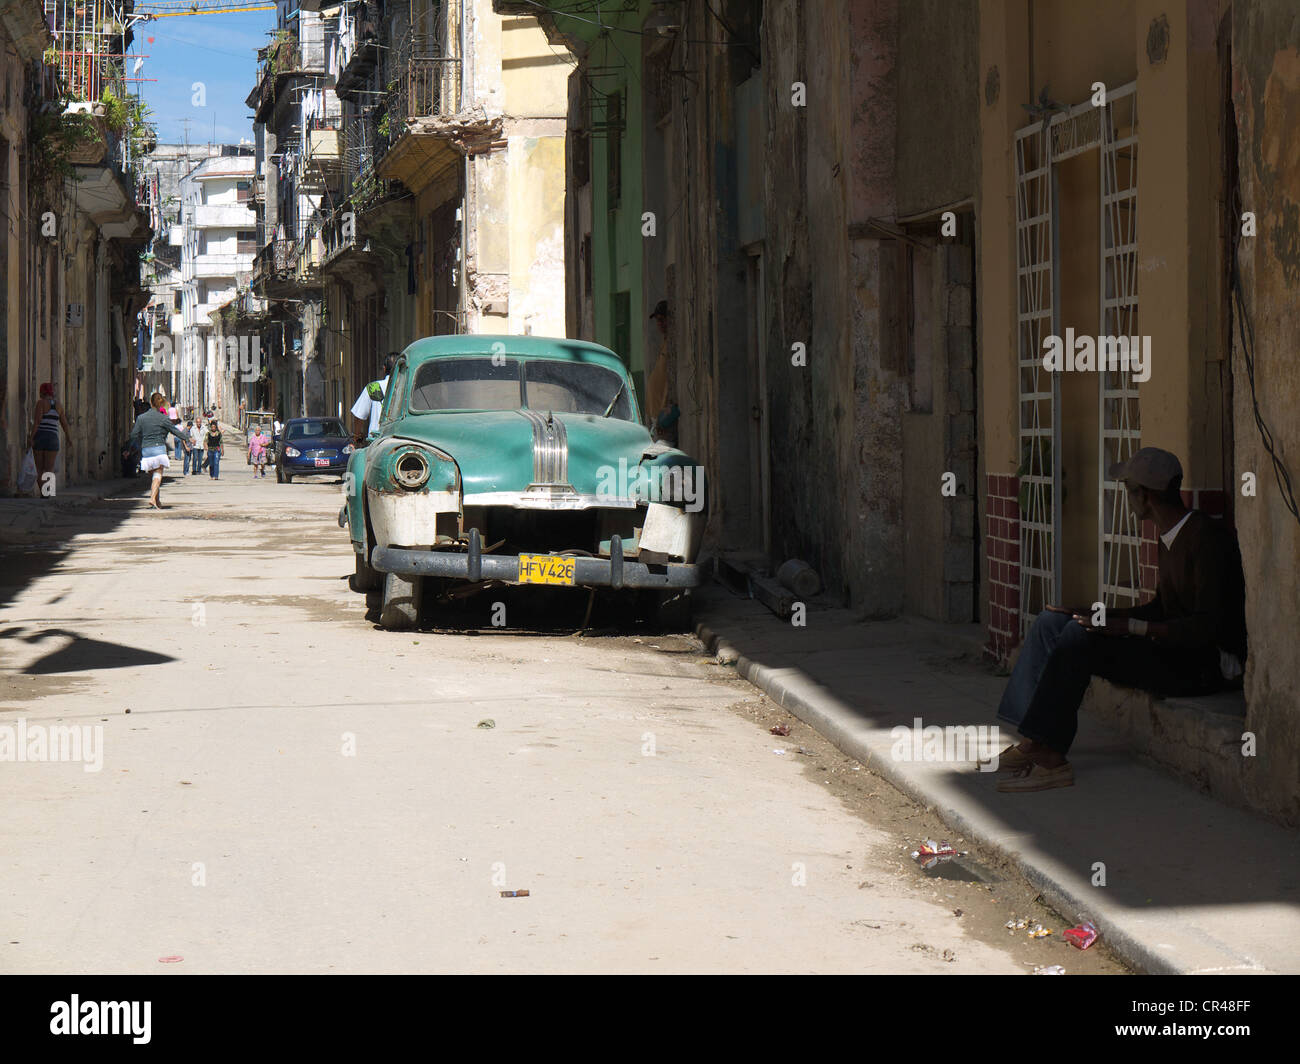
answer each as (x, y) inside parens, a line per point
(401, 607)
(366, 578)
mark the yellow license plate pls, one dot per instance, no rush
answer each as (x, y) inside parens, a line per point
(545, 569)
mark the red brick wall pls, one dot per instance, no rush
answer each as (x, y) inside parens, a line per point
(1002, 554)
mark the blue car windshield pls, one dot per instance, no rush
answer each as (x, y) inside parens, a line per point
(539, 384)
(324, 427)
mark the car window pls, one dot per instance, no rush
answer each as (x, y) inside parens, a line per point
(393, 394)
(466, 384)
(326, 427)
(577, 388)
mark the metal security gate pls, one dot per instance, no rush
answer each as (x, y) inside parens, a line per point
(1037, 303)
(1119, 436)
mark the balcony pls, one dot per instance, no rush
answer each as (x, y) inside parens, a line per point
(322, 163)
(273, 269)
(284, 58)
(346, 254)
(421, 132)
(360, 55)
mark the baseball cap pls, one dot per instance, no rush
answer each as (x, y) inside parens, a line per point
(661, 309)
(1150, 467)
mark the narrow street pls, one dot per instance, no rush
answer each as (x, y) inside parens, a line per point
(629, 784)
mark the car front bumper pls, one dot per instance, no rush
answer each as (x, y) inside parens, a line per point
(475, 566)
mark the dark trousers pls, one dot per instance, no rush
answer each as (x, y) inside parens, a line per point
(1059, 659)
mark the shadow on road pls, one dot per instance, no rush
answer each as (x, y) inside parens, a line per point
(82, 654)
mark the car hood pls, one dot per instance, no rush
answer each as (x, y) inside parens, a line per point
(497, 450)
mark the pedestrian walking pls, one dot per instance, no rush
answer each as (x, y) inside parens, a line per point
(195, 455)
(43, 440)
(150, 433)
(215, 449)
(257, 445)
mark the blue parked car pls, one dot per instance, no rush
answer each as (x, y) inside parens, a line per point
(312, 447)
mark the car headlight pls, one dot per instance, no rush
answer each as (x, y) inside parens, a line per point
(411, 470)
(348, 449)
(292, 452)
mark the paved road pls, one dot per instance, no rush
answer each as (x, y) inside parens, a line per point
(284, 787)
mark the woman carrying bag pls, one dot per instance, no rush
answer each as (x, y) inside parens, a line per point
(43, 440)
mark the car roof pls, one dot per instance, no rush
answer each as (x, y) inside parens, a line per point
(459, 346)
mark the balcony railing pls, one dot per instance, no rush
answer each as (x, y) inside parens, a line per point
(426, 86)
(277, 257)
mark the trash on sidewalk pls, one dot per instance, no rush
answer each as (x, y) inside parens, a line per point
(1039, 931)
(514, 894)
(487, 723)
(780, 729)
(775, 751)
(1083, 936)
(1015, 924)
(932, 853)
(1051, 969)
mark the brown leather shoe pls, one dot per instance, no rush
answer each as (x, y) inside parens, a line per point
(1012, 759)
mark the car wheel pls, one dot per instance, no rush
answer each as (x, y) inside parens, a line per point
(401, 607)
(366, 578)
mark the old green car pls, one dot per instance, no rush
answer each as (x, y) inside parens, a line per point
(519, 460)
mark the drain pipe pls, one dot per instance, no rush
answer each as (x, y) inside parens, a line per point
(462, 326)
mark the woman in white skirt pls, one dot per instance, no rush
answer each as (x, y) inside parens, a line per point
(150, 432)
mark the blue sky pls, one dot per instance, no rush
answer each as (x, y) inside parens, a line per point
(218, 50)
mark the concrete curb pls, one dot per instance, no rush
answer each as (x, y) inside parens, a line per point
(827, 715)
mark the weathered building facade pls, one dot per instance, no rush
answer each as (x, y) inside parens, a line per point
(70, 141)
(868, 217)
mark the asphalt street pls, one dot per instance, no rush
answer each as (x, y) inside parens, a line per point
(284, 787)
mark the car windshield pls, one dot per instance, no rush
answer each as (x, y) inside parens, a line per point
(540, 384)
(325, 427)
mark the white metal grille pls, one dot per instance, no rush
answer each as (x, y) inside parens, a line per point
(1119, 579)
(1037, 278)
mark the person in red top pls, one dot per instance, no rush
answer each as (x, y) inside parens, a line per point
(44, 437)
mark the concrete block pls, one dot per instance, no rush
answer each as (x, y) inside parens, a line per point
(961, 350)
(959, 305)
(958, 561)
(961, 431)
(959, 263)
(959, 602)
(961, 392)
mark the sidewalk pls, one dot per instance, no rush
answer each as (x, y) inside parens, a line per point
(1191, 886)
(25, 514)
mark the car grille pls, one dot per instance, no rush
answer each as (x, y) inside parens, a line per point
(320, 454)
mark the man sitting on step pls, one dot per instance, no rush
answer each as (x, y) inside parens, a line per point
(1190, 639)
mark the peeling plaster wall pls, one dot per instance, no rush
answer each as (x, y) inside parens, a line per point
(1266, 80)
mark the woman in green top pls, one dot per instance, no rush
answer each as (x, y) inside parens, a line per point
(150, 432)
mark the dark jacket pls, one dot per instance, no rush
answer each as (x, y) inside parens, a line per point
(1200, 592)
(152, 428)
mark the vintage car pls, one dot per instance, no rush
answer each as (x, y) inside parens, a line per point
(519, 460)
(312, 447)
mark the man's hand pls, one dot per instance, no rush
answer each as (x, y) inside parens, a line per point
(1113, 625)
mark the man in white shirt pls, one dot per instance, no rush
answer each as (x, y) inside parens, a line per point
(196, 438)
(365, 411)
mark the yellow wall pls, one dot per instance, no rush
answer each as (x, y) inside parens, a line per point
(1179, 267)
